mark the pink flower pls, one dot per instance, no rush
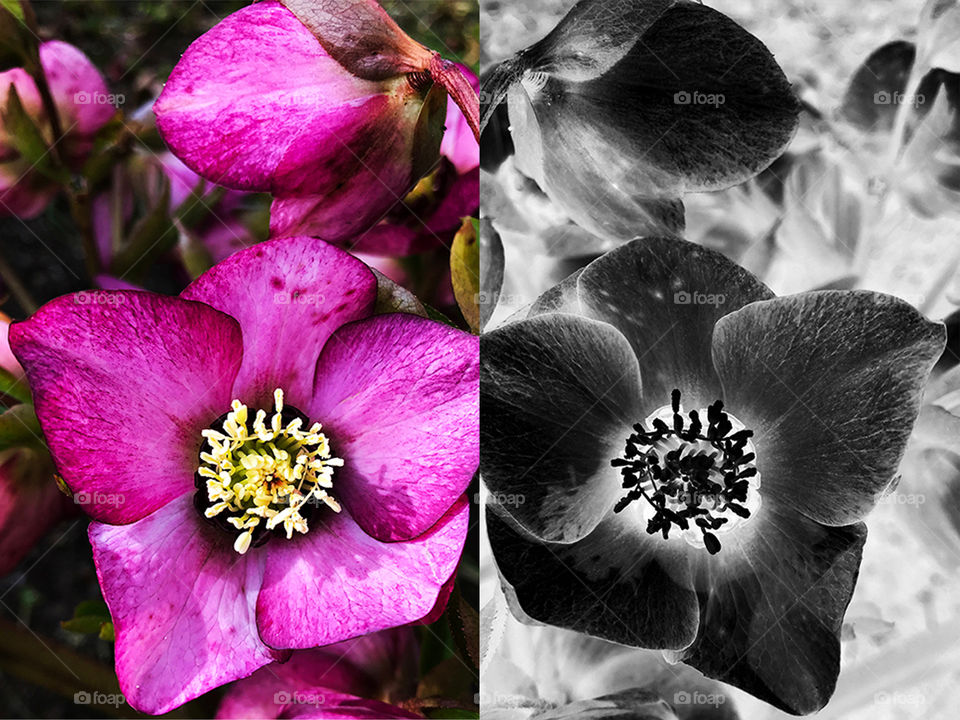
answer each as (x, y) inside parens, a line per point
(30, 502)
(151, 405)
(339, 681)
(258, 103)
(429, 215)
(82, 101)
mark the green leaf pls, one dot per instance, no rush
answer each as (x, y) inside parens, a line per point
(451, 713)
(491, 269)
(107, 632)
(92, 607)
(435, 314)
(393, 298)
(85, 625)
(465, 272)
(17, 43)
(153, 236)
(14, 387)
(27, 139)
(435, 646)
(19, 427)
(91, 617)
(14, 8)
(464, 626)
(194, 253)
(199, 205)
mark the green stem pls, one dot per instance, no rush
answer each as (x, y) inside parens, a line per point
(80, 211)
(79, 200)
(17, 288)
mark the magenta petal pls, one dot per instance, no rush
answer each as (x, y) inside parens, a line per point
(79, 90)
(387, 240)
(440, 606)
(257, 104)
(182, 603)
(459, 144)
(26, 90)
(123, 383)
(7, 361)
(319, 216)
(27, 196)
(288, 295)
(461, 201)
(309, 703)
(398, 396)
(336, 582)
(367, 666)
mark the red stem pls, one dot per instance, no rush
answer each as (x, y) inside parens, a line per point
(459, 88)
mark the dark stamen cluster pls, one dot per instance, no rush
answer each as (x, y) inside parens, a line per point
(675, 478)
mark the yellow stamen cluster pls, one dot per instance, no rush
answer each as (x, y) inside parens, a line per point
(265, 474)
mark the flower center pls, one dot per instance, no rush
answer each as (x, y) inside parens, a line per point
(701, 479)
(256, 479)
